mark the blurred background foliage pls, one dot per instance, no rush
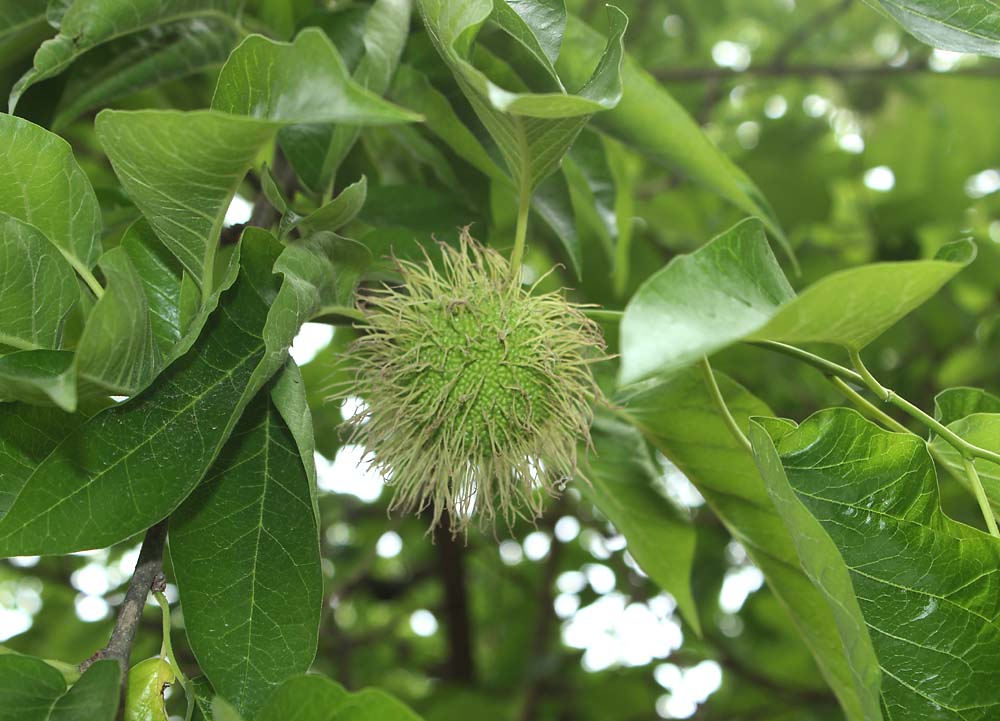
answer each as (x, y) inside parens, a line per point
(869, 145)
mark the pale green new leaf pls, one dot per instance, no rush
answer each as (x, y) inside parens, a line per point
(983, 430)
(926, 585)
(961, 26)
(621, 481)
(41, 184)
(732, 289)
(117, 350)
(251, 529)
(89, 23)
(531, 130)
(32, 690)
(680, 419)
(317, 698)
(38, 288)
(649, 120)
(333, 215)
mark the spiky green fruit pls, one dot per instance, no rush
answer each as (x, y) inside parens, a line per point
(477, 391)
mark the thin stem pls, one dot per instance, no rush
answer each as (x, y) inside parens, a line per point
(720, 402)
(521, 232)
(966, 449)
(867, 407)
(613, 316)
(84, 272)
(984, 502)
(826, 366)
(167, 652)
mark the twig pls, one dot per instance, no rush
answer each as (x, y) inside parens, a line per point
(451, 553)
(146, 577)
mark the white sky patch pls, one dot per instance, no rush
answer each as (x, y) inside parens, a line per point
(537, 545)
(566, 604)
(727, 54)
(677, 485)
(775, 107)
(567, 528)
(994, 231)
(748, 134)
(982, 184)
(510, 552)
(423, 623)
(943, 61)
(614, 633)
(600, 577)
(91, 580)
(24, 561)
(571, 582)
(389, 545)
(349, 473)
(851, 143)
(880, 178)
(90, 609)
(311, 339)
(352, 406)
(688, 688)
(239, 211)
(737, 586)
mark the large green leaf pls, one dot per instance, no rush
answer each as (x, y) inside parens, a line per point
(963, 27)
(317, 150)
(983, 430)
(38, 288)
(39, 376)
(952, 404)
(89, 23)
(131, 465)
(317, 698)
(531, 130)
(732, 289)
(251, 530)
(651, 121)
(621, 480)
(41, 184)
(32, 690)
(144, 59)
(118, 349)
(679, 419)
(182, 169)
(926, 584)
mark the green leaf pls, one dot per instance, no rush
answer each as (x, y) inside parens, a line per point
(337, 213)
(89, 23)
(22, 27)
(955, 403)
(553, 203)
(538, 25)
(679, 418)
(983, 430)
(41, 184)
(622, 484)
(245, 550)
(38, 288)
(131, 465)
(39, 376)
(657, 126)
(316, 151)
(223, 711)
(143, 60)
(702, 302)
(531, 130)
(317, 698)
(182, 169)
(732, 289)
(32, 690)
(118, 350)
(924, 582)
(962, 27)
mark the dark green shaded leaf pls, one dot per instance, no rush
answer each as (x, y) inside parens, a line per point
(337, 213)
(245, 548)
(962, 27)
(553, 203)
(680, 420)
(622, 484)
(926, 584)
(87, 24)
(537, 24)
(317, 698)
(32, 690)
(39, 376)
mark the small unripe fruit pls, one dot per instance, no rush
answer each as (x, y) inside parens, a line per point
(477, 390)
(147, 681)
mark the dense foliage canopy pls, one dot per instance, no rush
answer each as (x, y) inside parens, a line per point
(240, 309)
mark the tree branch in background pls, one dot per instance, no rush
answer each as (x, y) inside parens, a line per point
(147, 573)
(811, 26)
(458, 626)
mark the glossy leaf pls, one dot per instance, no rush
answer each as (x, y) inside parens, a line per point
(962, 27)
(32, 690)
(649, 120)
(316, 151)
(87, 24)
(131, 465)
(245, 548)
(983, 430)
(531, 130)
(923, 581)
(538, 25)
(733, 289)
(118, 350)
(621, 481)
(143, 60)
(38, 288)
(337, 213)
(41, 184)
(182, 169)
(317, 698)
(954, 403)
(679, 418)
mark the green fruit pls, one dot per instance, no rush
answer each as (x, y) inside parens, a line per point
(478, 391)
(144, 696)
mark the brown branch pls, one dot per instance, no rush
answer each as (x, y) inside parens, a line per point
(451, 559)
(544, 623)
(146, 576)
